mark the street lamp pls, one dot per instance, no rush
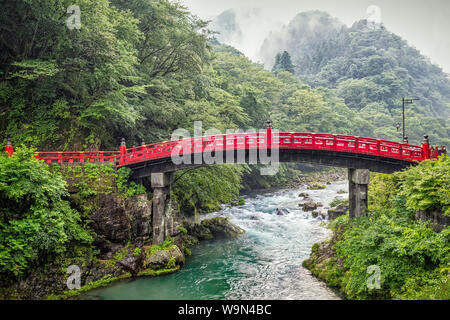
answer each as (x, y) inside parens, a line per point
(406, 101)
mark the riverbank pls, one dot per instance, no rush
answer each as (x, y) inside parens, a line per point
(313, 179)
(263, 263)
(394, 253)
(115, 216)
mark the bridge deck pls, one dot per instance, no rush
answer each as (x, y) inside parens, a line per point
(284, 141)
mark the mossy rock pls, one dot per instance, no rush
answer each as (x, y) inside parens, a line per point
(303, 195)
(222, 228)
(316, 186)
(197, 230)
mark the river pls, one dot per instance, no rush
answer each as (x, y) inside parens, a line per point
(265, 263)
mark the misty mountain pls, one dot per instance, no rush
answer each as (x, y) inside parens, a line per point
(369, 67)
(305, 34)
(244, 29)
(227, 27)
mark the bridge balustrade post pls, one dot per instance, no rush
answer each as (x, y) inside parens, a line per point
(9, 148)
(426, 147)
(162, 219)
(358, 182)
(123, 152)
(269, 137)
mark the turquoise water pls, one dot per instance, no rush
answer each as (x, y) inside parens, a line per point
(265, 263)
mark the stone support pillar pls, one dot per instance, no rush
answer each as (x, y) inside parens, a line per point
(358, 187)
(162, 219)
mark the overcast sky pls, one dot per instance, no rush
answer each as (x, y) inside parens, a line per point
(425, 24)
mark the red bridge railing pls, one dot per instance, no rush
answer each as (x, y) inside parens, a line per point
(79, 157)
(246, 141)
(284, 140)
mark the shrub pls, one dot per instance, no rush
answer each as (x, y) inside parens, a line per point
(35, 221)
(427, 186)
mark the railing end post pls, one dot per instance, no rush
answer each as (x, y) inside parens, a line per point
(426, 147)
(123, 151)
(9, 147)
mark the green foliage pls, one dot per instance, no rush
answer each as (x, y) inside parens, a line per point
(171, 263)
(414, 260)
(337, 202)
(65, 86)
(371, 70)
(85, 192)
(125, 187)
(91, 285)
(166, 245)
(283, 62)
(35, 222)
(137, 252)
(205, 189)
(182, 229)
(406, 252)
(427, 186)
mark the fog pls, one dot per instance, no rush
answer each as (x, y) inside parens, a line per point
(424, 24)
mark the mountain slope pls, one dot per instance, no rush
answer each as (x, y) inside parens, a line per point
(371, 69)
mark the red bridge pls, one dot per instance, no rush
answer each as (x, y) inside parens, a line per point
(325, 149)
(156, 161)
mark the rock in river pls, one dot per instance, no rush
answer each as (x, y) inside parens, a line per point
(309, 206)
(222, 227)
(282, 212)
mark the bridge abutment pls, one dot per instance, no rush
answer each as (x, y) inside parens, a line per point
(162, 219)
(358, 188)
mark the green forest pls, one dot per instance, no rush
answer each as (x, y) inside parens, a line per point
(139, 69)
(414, 257)
(370, 70)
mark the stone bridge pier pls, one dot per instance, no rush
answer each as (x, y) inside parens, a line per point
(358, 183)
(162, 219)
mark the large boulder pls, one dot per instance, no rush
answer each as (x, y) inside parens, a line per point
(163, 257)
(119, 220)
(179, 256)
(158, 260)
(222, 228)
(197, 230)
(303, 195)
(139, 212)
(309, 205)
(132, 263)
(337, 211)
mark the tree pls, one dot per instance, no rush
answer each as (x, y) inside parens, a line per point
(67, 88)
(283, 63)
(35, 221)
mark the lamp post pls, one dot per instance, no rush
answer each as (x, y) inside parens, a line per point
(406, 101)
